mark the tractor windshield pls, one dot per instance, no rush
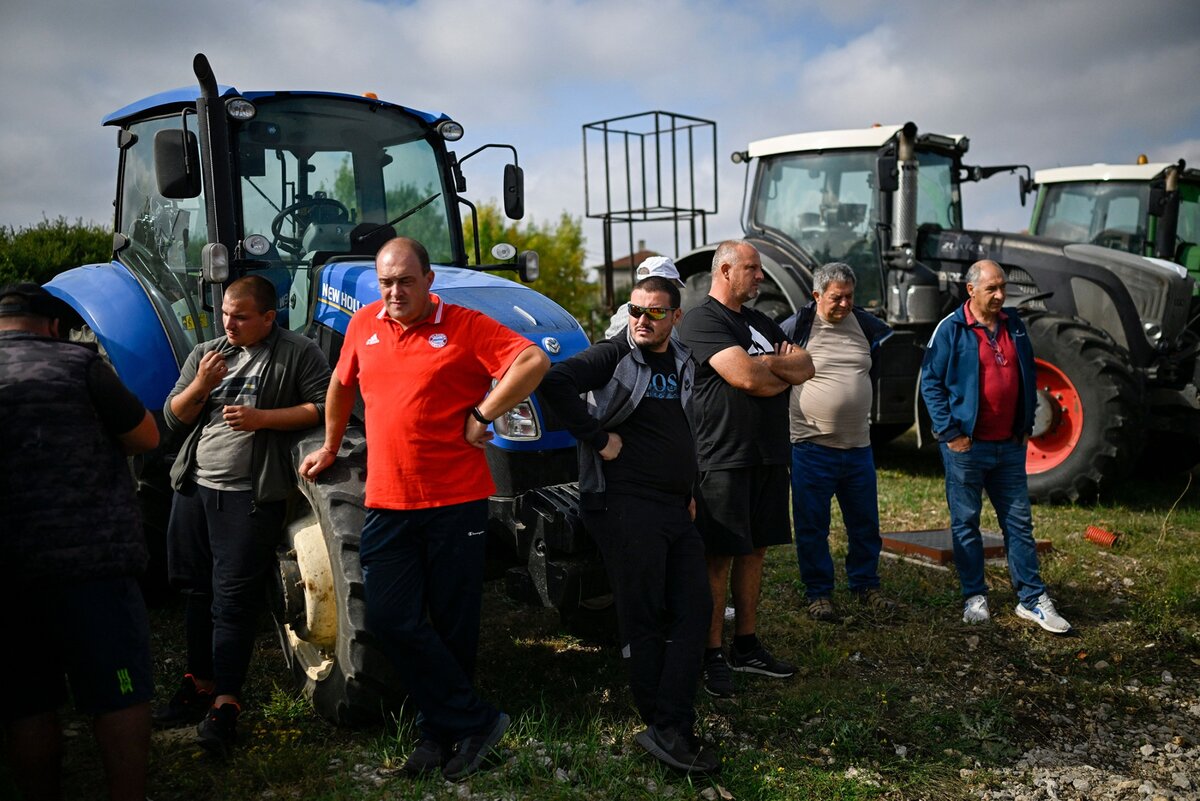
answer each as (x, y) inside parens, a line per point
(1109, 213)
(321, 177)
(826, 203)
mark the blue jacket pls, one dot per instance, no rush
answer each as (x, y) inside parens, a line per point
(950, 376)
(799, 326)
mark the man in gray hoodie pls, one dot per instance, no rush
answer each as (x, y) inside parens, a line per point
(637, 465)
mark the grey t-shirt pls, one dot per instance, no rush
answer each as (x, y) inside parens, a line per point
(833, 408)
(222, 454)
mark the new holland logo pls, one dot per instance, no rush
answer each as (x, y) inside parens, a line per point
(374, 340)
(551, 345)
(437, 340)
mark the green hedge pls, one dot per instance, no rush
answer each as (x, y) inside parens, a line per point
(40, 252)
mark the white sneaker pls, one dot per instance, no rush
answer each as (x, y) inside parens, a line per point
(975, 610)
(1045, 615)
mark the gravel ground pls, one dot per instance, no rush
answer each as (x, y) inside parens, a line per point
(1106, 755)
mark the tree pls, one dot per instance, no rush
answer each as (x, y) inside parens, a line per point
(44, 250)
(560, 251)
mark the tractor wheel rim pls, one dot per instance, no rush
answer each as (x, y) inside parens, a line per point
(1063, 421)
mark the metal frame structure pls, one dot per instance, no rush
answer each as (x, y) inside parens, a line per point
(650, 172)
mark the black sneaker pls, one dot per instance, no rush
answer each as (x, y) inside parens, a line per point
(187, 706)
(427, 757)
(761, 662)
(218, 730)
(682, 751)
(470, 752)
(718, 681)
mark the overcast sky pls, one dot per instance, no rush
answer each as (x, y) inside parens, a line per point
(1035, 81)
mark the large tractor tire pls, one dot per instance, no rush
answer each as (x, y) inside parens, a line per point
(319, 608)
(1088, 425)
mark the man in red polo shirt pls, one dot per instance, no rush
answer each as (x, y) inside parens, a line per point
(425, 370)
(979, 385)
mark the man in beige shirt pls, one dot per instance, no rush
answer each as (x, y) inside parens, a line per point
(830, 428)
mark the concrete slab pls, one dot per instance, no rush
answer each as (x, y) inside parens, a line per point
(936, 544)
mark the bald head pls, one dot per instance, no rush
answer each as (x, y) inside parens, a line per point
(403, 247)
(987, 288)
(736, 273)
(976, 271)
(402, 267)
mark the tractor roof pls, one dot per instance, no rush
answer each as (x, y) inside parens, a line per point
(852, 139)
(176, 99)
(1100, 172)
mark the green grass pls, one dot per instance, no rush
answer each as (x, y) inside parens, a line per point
(882, 708)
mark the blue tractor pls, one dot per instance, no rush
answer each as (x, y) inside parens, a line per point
(303, 188)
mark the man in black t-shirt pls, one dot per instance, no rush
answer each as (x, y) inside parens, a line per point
(745, 367)
(637, 465)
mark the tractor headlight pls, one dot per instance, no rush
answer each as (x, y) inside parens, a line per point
(520, 422)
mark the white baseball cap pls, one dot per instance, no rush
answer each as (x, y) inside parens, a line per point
(661, 266)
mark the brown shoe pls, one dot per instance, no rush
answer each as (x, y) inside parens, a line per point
(821, 610)
(876, 601)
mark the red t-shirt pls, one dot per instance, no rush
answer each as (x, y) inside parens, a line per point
(419, 386)
(999, 384)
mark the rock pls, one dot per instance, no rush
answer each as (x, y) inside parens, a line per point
(1181, 781)
(1147, 749)
(1082, 785)
(1167, 678)
(901, 751)
(560, 775)
(708, 794)
(1100, 665)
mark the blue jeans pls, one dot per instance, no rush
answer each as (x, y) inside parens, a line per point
(998, 467)
(818, 474)
(423, 587)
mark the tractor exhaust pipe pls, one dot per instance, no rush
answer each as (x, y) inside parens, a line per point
(1168, 221)
(904, 208)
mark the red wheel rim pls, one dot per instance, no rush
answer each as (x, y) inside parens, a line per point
(1052, 448)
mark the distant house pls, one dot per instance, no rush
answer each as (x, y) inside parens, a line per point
(623, 269)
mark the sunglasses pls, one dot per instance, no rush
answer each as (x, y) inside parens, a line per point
(653, 312)
(996, 352)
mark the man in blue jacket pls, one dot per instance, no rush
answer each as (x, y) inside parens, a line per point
(978, 383)
(637, 465)
(830, 428)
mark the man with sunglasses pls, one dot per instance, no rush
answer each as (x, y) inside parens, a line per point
(978, 383)
(637, 465)
(745, 367)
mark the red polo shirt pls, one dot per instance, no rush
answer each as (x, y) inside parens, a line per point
(419, 386)
(999, 384)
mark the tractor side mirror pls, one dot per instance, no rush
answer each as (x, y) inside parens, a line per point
(177, 164)
(514, 192)
(887, 174)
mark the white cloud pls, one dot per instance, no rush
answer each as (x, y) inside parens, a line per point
(1046, 83)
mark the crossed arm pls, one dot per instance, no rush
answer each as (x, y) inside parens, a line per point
(764, 376)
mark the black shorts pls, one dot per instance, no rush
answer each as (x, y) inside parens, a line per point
(740, 510)
(94, 634)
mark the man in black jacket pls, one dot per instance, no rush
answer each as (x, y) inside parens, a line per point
(637, 464)
(71, 546)
(238, 398)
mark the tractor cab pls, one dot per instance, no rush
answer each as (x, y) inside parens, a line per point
(315, 177)
(832, 196)
(1147, 209)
